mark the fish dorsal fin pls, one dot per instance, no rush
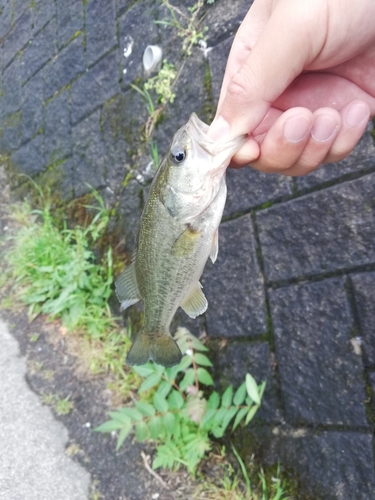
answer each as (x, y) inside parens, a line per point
(127, 289)
(195, 303)
(215, 246)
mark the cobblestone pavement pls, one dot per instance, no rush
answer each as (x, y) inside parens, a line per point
(291, 296)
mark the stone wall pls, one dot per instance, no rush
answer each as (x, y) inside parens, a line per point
(290, 297)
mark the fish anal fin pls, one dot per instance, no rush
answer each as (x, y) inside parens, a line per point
(127, 289)
(215, 246)
(195, 303)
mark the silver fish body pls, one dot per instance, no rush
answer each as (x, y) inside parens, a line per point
(177, 233)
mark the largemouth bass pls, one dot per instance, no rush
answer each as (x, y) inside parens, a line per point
(178, 231)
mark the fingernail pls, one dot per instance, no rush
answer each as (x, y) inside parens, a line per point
(356, 114)
(323, 128)
(219, 130)
(295, 129)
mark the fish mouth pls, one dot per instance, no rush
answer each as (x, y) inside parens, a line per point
(197, 130)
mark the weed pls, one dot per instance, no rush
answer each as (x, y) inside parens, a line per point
(174, 412)
(60, 405)
(162, 83)
(187, 25)
(55, 271)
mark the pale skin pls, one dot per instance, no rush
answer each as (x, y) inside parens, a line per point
(300, 81)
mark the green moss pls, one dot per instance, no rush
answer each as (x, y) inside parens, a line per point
(13, 120)
(267, 204)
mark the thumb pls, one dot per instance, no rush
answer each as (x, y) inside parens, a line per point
(289, 41)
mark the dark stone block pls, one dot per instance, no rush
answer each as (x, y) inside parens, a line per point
(234, 284)
(137, 30)
(11, 133)
(43, 11)
(12, 88)
(69, 19)
(224, 18)
(235, 360)
(57, 128)
(17, 38)
(360, 160)
(5, 19)
(19, 6)
(321, 376)
(364, 292)
(32, 107)
(129, 212)
(63, 69)
(39, 50)
(372, 385)
(217, 59)
(88, 154)
(29, 159)
(248, 188)
(329, 230)
(122, 119)
(100, 28)
(62, 179)
(191, 96)
(330, 465)
(94, 87)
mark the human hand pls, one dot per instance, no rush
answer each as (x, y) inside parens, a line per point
(300, 80)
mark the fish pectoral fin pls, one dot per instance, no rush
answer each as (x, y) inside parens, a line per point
(195, 303)
(215, 246)
(185, 243)
(127, 290)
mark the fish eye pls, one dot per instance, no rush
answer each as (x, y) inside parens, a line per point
(178, 155)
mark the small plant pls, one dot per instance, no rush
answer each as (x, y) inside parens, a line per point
(162, 83)
(174, 411)
(55, 270)
(60, 405)
(187, 25)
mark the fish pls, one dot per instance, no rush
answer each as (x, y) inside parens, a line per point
(177, 233)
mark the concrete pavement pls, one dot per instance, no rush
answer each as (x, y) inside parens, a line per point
(33, 463)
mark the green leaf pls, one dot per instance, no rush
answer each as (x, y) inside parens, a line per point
(155, 426)
(141, 431)
(208, 418)
(226, 399)
(160, 403)
(124, 432)
(189, 379)
(230, 413)
(185, 362)
(175, 400)
(213, 401)
(169, 421)
(220, 415)
(150, 382)
(204, 377)
(240, 395)
(144, 370)
(109, 426)
(145, 408)
(118, 416)
(132, 413)
(164, 388)
(251, 413)
(202, 359)
(240, 415)
(252, 388)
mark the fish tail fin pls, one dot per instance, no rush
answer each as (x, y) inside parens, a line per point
(161, 349)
